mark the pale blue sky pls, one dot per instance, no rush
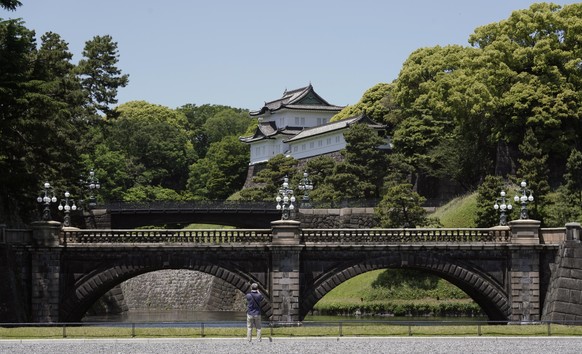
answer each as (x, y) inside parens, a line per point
(242, 53)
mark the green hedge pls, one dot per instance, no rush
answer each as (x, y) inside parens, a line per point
(416, 309)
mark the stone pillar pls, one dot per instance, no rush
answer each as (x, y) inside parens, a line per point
(45, 271)
(285, 272)
(525, 271)
(525, 231)
(573, 231)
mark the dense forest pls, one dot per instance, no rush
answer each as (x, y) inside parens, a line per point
(506, 108)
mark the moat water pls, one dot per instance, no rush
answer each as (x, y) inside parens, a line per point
(172, 316)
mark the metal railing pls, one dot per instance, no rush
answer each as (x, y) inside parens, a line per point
(188, 205)
(228, 205)
(360, 328)
(201, 236)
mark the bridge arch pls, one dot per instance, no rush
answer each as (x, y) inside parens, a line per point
(484, 290)
(90, 287)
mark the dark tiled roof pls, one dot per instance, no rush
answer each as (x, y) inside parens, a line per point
(304, 98)
(341, 124)
(266, 130)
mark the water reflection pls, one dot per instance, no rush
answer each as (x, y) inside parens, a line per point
(235, 316)
(168, 316)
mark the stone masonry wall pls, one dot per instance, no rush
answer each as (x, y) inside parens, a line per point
(345, 218)
(564, 298)
(180, 289)
(14, 278)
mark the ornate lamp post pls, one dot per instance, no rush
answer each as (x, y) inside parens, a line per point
(285, 200)
(67, 205)
(503, 208)
(92, 184)
(305, 185)
(524, 199)
(46, 197)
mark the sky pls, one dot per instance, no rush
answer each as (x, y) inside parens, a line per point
(242, 53)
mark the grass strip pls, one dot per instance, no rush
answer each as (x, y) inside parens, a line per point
(357, 329)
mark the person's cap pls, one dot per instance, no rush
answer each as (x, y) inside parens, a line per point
(254, 286)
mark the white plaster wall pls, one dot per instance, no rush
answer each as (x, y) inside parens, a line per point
(265, 149)
(319, 145)
(292, 118)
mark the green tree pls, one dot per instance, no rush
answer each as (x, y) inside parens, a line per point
(53, 104)
(364, 158)
(150, 194)
(521, 72)
(361, 173)
(203, 132)
(268, 181)
(10, 4)
(487, 194)
(531, 63)
(222, 172)
(376, 102)
(342, 185)
(444, 130)
(318, 168)
(154, 139)
(100, 76)
(566, 204)
(17, 184)
(573, 177)
(533, 168)
(40, 123)
(227, 122)
(116, 171)
(402, 207)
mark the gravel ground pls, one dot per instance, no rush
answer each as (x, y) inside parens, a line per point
(530, 345)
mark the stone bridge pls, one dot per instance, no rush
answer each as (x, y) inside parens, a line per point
(236, 213)
(515, 273)
(241, 214)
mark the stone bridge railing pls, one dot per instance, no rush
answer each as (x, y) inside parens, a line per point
(405, 235)
(165, 236)
(235, 236)
(241, 236)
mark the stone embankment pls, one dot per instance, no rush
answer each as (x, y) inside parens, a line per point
(564, 299)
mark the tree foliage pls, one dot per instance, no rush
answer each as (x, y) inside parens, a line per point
(402, 207)
(566, 205)
(535, 56)
(100, 76)
(155, 139)
(269, 180)
(533, 169)
(457, 102)
(360, 174)
(210, 123)
(10, 4)
(376, 103)
(39, 116)
(487, 193)
(222, 172)
(449, 110)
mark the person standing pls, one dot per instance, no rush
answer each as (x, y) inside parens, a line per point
(254, 299)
